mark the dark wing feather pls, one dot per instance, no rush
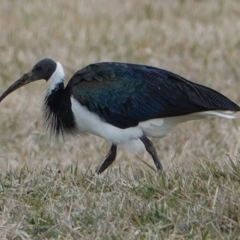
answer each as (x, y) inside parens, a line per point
(126, 94)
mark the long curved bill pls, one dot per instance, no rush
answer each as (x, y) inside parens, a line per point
(25, 79)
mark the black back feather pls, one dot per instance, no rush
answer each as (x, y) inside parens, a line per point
(126, 94)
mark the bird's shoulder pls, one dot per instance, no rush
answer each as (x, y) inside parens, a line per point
(107, 72)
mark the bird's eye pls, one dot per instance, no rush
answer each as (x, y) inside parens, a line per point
(38, 67)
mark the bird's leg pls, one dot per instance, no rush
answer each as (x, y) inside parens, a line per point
(111, 156)
(152, 151)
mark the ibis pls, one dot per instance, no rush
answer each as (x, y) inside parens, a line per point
(122, 103)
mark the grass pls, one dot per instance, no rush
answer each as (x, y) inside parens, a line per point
(70, 204)
(48, 189)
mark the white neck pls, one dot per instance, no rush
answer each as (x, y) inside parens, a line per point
(56, 78)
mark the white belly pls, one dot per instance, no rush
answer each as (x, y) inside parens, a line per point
(88, 122)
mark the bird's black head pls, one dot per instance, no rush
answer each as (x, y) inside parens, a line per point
(42, 70)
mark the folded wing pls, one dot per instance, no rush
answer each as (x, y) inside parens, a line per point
(126, 94)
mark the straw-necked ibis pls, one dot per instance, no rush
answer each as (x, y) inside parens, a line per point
(122, 103)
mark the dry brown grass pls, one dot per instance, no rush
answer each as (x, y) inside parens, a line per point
(199, 40)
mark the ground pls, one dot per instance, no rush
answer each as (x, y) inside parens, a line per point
(48, 189)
